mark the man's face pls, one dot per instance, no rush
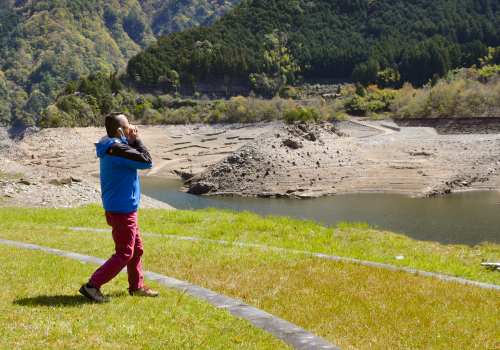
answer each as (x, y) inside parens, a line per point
(125, 126)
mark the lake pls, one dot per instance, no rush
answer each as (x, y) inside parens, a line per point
(458, 218)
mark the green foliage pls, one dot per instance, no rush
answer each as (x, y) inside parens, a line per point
(301, 113)
(176, 16)
(488, 71)
(366, 73)
(262, 84)
(288, 92)
(134, 25)
(460, 95)
(96, 95)
(373, 100)
(110, 15)
(389, 77)
(91, 109)
(5, 113)
(45, 44)
(48, 43)
(385, 42)
(360, 90)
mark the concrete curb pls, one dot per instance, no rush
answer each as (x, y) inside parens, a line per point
(317, 255)
(295, 336)
(395, 128)
(385, 130)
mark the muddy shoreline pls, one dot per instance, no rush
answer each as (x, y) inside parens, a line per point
(408, 157)
(406, 160)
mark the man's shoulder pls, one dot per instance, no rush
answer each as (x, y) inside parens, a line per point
(126, 151)
(118, 149)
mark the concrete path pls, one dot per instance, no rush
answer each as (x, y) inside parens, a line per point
(317, 255)
(295, 336)
(383, 130)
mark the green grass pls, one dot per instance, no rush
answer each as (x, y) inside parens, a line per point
(41, 309)
(10, 176)
(349, 240)
(351, 305)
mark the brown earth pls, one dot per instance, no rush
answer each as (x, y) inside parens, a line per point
(415, 161)
(250, 160)
(48, 159)
(50, 168)
(448, 126)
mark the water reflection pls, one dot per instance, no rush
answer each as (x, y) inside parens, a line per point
(460, 218)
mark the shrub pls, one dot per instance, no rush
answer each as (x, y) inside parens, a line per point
(190, 102)
(288, 92)
(356, 105)
(69, 103)
(360, 90)
(56, 120)
(457, 99)
(301, 113)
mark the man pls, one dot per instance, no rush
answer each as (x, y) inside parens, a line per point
(121, 153)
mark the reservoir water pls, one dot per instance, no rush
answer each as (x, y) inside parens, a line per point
(459, 218)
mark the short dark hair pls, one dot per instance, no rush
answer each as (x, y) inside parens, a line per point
(113, 122)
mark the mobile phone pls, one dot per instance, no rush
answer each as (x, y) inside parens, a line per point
(121, 132)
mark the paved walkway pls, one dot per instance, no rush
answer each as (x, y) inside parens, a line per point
(382, 130)
(317, 255)
(295, 336)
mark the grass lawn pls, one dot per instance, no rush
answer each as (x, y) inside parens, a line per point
(356, 241)
(40, 309)
(351, 305)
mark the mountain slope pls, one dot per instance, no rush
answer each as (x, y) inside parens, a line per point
(411, 39)
(47, 43)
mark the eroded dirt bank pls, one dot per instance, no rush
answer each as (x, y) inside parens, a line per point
(448, 126)
(413, 160)
(50, 168)
(53, 167)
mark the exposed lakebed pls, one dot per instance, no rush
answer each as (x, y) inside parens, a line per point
(459, 218)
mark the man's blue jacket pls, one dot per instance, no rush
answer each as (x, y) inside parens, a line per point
(120, 190)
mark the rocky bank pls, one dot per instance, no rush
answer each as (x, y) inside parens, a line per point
(308, 161)
(54, 167)
(42, 168)
(289, 157)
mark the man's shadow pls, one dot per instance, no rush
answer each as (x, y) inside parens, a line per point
(60, 300)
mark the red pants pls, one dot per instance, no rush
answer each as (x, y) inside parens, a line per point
(128, 246)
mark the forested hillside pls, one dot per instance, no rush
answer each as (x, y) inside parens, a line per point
(45, 44)
(274, 42)
(265, 44)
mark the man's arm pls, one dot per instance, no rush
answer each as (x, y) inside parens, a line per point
(129, 157)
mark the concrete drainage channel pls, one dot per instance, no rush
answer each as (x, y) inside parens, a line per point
(317, 255)
(295, 336)
(382, 130)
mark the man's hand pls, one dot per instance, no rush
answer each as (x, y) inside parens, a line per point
(133, 134)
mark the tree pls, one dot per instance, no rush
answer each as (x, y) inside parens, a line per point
(389, 77)
(372, 69)
(134, 25)
(359, 73)
(360, 90)
(110, 15)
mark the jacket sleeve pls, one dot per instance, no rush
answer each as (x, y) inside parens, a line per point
(128, 157)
